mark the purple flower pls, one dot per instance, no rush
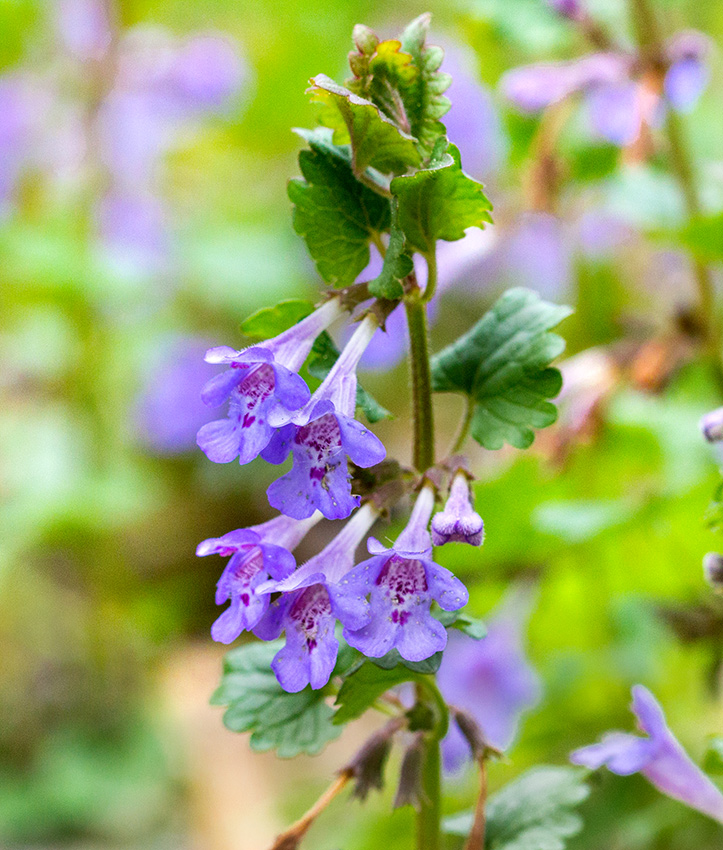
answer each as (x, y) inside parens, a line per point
(619, 101)
(401, 582)
(261, 382)
(15, 128)
(458, 522)
(84, 28)
(713, 570)
(306, 611)
(169, 410)
(321, 437)
(659, 757)
(253, 559)
(491, 679)
(572, 9)
(712, 425)
(206, 72)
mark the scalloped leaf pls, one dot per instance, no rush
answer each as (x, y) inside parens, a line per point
(502, 364)
(440, 202)
(375, 141)
(335, 214)
(288, 723)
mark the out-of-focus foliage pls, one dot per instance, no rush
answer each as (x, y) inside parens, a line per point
(102, 505)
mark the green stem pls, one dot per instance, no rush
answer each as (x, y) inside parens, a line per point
(423, 419)
(429, 816)
(650, 41)
(464, 427)
(431, 286)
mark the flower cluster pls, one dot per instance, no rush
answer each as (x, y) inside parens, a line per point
(623, 93)
(384, 602)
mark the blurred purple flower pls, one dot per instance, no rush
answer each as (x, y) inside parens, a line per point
(401, 582)
(206, 72)
(491, 679)
(659, 757)
(15, 132)
(713, 570)
(169, 410)
(619, 101)
(536, 253)
(321, 437)
(712, 425)
(458, 522)
(572, 9)
(133, 230)
(83, 27)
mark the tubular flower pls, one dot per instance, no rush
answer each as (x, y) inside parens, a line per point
(712, 425)
(659, 757)
(458, 522)
(401, 583)
(619, 101)
(253, 559)
(260, 382)
(321, 437)
(306, 612)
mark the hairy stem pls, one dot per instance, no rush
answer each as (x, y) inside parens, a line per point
(431, 286)
(429, 816)
(423, 419)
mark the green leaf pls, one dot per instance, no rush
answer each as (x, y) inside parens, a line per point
(439, 202)
(533, 812)
(397, 265)
(289, 723)
(271, 321)
(393, 659)
(703, 237)
(335, 214)
(713, 760)
(375, 141)
(502, 365)
(424, 99)
(471, 626)
(363, 687)
(323, 356)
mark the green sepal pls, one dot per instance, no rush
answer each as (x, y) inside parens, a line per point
(393, 659)
(363, 687)
(471, 626)
(441, 201)
(324, 355)
(534, 811)
(713, 759)
(271, 321)
(502, 364)
(375, 141)
(335, 214)
(288, 723)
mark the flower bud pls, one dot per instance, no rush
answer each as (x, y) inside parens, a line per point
(713, 570)
(712, 425)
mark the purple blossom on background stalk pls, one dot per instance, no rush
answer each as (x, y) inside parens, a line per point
(713, 570)
(169, 410)
(256, 553)
(491, 679)
(15, 134)
(306, 611)
(572, 9)
(712, 425)
(260, 382)
(458, 522)
(659, 757)
(401, 584)
(321, 437)
(619, 102)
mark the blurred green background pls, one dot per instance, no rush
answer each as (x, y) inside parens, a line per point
(106, 663)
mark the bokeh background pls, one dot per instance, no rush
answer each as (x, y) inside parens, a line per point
(143, 216)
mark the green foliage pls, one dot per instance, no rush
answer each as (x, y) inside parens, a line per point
(375, 141)
(403, 79)
(713, 760)
(336, 215)
(288, 723)
(471, 626)
(502, 365)
(397, 264)
(363, 687)
(439, 202)
(271, 321)
(533, 812)
(703, 237)
(324, 355)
